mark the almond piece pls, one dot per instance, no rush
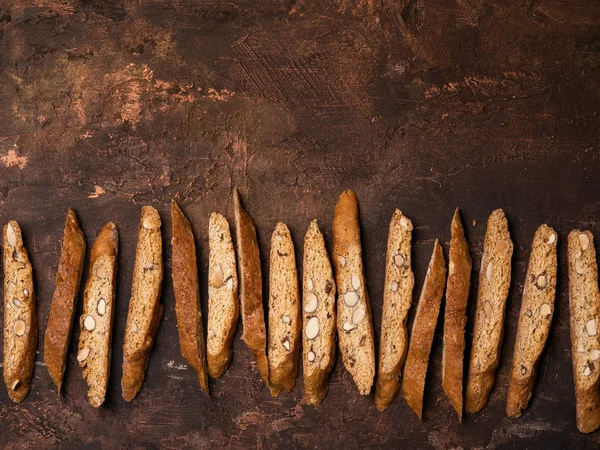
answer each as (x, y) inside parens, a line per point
(584, 241)
(83, 354)
(551, 238)
(312, 328)
(309, 285)
(580, 348)
(89, 323)
(11, 236)
(311, 303)
(285, 319)
(342, 260)
(488, 271)
(399, 259)
(541, 282)
(590, 327)
(101, 307)
(351, 299)
(587, 371)
(19, 328)
(503, 246)
(595, 354)
(216, 279)
(311, 356)
(404, 222)
(148, 224)
(393, 286)
(15, 385)
(579, 267)
(100, 271)
(545, 310)
(17, 302)
(358, 315)
(286, 343)
(355, 282)
(229, 283)
(348, 326)
(25, 293)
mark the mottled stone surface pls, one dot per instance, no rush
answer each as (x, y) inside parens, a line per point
(109, 105)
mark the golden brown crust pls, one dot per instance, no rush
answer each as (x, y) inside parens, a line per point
(357, 343)
(455, 315)
(64, 301)
(187, 295)
(19, 306)
(145, 299)
(250, 281)
(417, 359)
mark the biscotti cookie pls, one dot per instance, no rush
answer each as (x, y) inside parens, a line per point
(494, 283)
(354, 322)
(223, 303)
(397, 298)
(96, 322)
(284, 312)
(62, 310)
(584, 306)
(455, 315)
(145, 309)
(426, 317)
(187, 295)
(318, 316)
(250, 279)
(535, 318)
(20, 320)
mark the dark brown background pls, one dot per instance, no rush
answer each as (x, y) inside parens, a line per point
(109, 105)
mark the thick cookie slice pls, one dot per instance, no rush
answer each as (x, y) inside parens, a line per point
(284, 313)
(64, 301)
(535, 318)
(20, 321)
(145, 309)
(318, 313)
(584, 306)
(397, 298)
(96, 322)
(494, 283)
(354, 322)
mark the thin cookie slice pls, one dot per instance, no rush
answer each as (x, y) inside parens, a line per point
(223, 302)
(494, 283)
(284, 313)
(397, 298)
(62, 310)
(354, 322)
(253, 314)
(535, 319)
(455, 315)
(20, 321)
(145, 309)
(187, 295)
(318, 316)
(584, 306)
(428, 310)
(96, 322)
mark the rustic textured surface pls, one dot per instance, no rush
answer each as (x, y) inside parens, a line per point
(425, 106)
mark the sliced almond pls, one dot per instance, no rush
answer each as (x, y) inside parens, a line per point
(358, 315)
(595, 354)
(355, 282)
(404, 222)
(101, 271)
(528, 313)
(89, 323)
(541, 282)
(579, 267)
(487, 309)
(523, 370)
(229, 283)
(393, 286)
(584, 241)
(399, 259)
(17, 302)
(147, 224)
(311, 303)
(216, 279)
(286, 343)
(311, 356)
(25, 293)
(580, 348)
(11, 236)
(101, 307)
(590, 327)
(349, 326)
(19, 327)
(351, 299)
(545, 310)
(15, 385)
(285, 319)
(587, 371)
(488, 271)
(312, 328)
(309, 285)
(551, 238)
(341, 260)
(83, 354)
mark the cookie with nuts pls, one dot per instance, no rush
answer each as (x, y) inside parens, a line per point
(20, 322)
(584, 306)
(145, 308)
(535, 318)
(96, 322)
(488, 332)
(223, 302)
(354, 322)
(397, 299)
(284, 312)
(318, 316)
